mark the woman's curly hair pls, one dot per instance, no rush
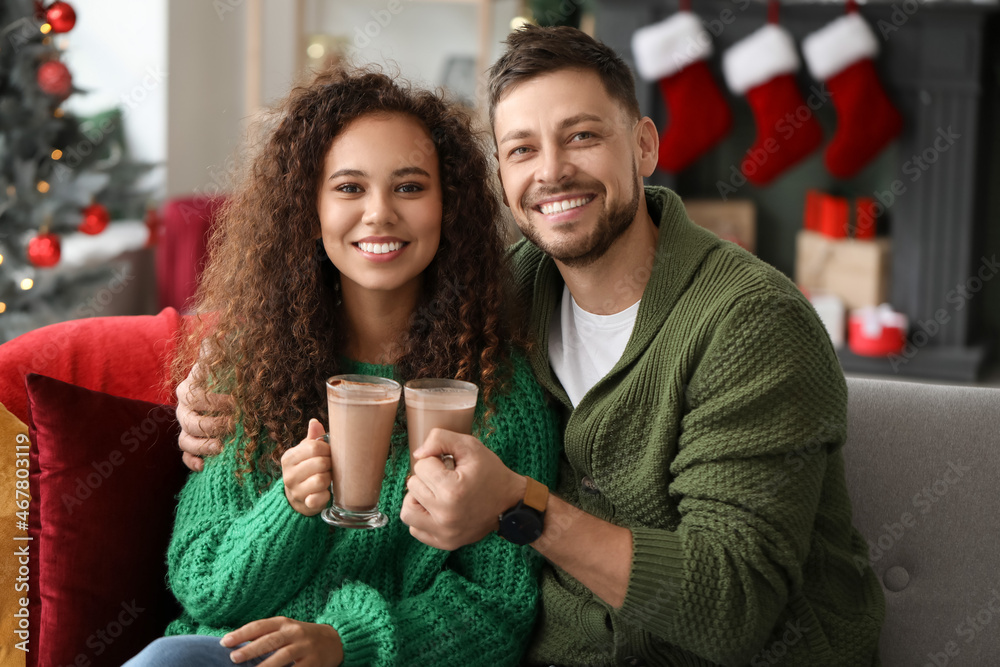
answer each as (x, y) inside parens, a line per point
(271, 331)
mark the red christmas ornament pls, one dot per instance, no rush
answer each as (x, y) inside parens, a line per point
(61, 16)
(44, 250)
(95, 219)
(54, 78)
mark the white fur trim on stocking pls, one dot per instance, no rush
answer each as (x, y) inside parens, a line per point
(839, 44)
(669, 46)
(759, 57)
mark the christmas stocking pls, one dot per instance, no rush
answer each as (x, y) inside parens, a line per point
(673, 53)
(841, 54)
(762, 66)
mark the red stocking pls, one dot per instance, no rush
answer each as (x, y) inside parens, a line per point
(841, 54)
(762, 66)
(674, 53)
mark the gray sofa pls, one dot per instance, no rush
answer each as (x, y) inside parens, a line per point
(923, 470)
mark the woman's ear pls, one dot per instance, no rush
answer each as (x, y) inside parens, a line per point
(320, 251)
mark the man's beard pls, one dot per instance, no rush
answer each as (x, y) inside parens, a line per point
(610, 226)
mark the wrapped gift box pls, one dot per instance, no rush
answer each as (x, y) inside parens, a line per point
(734, 220)
(856, 271)
(877, 332)
(839, 217)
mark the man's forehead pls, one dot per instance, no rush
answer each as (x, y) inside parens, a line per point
(581, 96)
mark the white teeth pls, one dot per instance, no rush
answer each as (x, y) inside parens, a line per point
(381, 248)
(564, 205)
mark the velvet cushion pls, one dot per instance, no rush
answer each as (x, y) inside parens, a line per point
(126, 356)
(105, 474)
(181, 253)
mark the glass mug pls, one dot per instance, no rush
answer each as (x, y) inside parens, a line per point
(362, 414)
(438, 403)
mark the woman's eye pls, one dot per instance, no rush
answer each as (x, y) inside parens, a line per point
(520, 150)
(349, 188)
(409, 187)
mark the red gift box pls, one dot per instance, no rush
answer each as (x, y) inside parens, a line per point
(835, 218)
(877, 332)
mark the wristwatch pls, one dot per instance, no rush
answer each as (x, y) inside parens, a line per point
(524, 522)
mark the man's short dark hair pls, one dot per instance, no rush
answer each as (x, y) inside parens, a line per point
(533, 51)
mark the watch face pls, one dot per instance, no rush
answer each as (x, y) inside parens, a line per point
(521, 525)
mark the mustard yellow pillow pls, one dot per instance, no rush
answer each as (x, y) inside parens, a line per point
(16, 633)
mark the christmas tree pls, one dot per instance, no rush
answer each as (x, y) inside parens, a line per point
(59, 174)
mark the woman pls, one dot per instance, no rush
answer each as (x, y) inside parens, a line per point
(365, 239)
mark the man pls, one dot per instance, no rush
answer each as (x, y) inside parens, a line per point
(701, 516)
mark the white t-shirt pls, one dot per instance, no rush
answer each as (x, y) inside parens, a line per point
(583, 346)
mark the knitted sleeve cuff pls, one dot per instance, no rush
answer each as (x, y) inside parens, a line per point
(653, 588)
(362, 619)
(218, 564)
(277, 520)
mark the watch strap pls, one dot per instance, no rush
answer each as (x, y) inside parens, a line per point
(536, 495)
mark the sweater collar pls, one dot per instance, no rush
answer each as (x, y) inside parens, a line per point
(679, 251)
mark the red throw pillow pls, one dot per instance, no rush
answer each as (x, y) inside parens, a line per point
(105, 472)
(125, 356)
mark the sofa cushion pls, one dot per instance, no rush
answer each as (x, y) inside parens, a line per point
(105, 474)
(124, 356)
(922, 463)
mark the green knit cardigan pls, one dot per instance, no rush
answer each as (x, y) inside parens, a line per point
(716, 439)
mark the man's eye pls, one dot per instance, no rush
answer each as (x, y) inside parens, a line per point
(580, 136)
(520, 150)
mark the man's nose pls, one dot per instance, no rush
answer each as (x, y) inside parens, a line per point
(555, 166)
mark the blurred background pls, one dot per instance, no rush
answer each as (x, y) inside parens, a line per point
(146, 105)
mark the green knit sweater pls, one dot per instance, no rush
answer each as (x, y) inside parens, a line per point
(237, 556)
(717, 440)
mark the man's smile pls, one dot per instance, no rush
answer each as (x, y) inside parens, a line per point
(560, 205)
